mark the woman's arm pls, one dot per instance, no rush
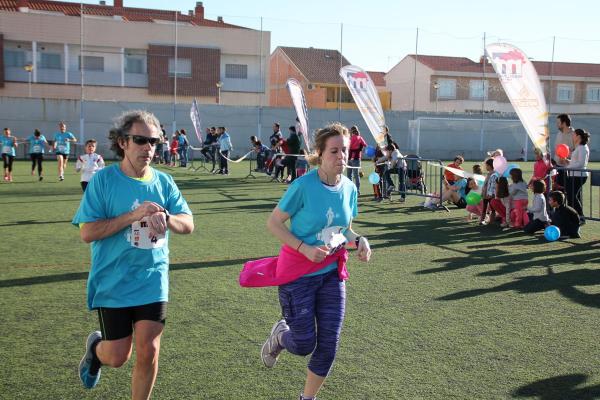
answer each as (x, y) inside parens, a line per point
(577, 158)
(276, 225)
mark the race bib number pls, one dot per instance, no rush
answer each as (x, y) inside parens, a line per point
(36, 149)
(62, 148)
(6, 149)
(140, 236)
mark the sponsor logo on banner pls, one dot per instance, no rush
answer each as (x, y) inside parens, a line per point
(366, 97)
(524, 90)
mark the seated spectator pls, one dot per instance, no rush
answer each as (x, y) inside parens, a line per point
(397, 165)
(563, 216)
(538, 217)
(456, 193)
(301, 164)
(262, 152)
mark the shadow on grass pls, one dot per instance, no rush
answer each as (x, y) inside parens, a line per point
(565, 283)
(75, 276)
(564, 387)
(34, 222)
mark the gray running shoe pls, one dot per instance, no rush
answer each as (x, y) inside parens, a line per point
(271, 349)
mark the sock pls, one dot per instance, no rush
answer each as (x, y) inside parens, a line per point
(302, 397)
(96, 364)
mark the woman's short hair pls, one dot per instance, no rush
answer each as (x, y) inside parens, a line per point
(321, 137)
(584, 135)
(123, 125)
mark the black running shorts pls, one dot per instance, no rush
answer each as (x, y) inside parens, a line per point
(117, 323)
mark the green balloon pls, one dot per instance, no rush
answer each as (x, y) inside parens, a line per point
(473, 198)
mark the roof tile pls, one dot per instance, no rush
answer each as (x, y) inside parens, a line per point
(317, 65)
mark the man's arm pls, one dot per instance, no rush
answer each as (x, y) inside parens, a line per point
(181, 223)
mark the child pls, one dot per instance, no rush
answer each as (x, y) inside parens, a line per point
(501, 203)
(564, 217)
(377, 189)
(301, 164)
(519, 198)
(539, 216)
(488, 192)
(475, 210)
(89, 163)
(541, 168)
(174, 149)
(278, 170)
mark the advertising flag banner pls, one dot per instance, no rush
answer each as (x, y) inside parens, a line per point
(299, 102)
(524, 90)
(367, 100)
(195, 117)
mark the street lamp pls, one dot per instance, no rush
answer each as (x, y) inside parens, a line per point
(29, 69)
(436, 86)
(219, 86)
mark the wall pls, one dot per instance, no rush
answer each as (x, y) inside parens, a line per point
(439, 138)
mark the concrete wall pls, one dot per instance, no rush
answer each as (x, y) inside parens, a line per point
(438, 138)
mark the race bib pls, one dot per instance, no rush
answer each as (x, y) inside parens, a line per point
(36, 149)
(62, 148)
(140, 236)
(6, 149)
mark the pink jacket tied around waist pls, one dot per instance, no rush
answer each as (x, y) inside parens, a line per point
(287, 267)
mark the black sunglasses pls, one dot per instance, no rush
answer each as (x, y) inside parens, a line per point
(142, 140)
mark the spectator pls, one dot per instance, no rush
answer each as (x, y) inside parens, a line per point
(293, 144)
(357, 144)
(225, 148)
(538, 218)
(576, 179)
(449, 177)
(563, 216)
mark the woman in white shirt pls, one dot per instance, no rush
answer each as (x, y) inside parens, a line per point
(576, 179)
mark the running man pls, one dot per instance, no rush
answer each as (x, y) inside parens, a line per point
(62, 148)
(127, 213)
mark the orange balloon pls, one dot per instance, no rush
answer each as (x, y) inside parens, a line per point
(562, 150)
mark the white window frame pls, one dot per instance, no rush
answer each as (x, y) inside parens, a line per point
(472, 88)
(449, 84)
(236, 71)
(589, 93)
(562, 86)
(184, 67)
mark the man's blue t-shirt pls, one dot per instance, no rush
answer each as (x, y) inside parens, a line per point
(128, 269)
(317, 211)
(37, 144)
(462, 185)
(62, 145)
(7, 145)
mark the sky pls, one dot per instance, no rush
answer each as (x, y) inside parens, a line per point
(377, 34)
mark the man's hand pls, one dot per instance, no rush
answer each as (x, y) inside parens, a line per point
(157, 223)
(146, 209)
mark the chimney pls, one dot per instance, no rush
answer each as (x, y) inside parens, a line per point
(220, 20)
(102, 2)
(191, 13)
(23, 5)
(118, 3)
(199, 12)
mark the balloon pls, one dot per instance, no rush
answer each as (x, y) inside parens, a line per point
(370, 151)
(506, 173)
(499, 164)
(473, 198)
(552, 233)
(562, 150)
(374, 178)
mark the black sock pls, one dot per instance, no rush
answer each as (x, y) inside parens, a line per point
(96, 364)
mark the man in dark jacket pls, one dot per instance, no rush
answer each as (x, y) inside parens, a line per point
(293, 143)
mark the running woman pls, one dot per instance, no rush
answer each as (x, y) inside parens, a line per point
(311, 267)
(62, 148)
(37, 148)
(8, 144)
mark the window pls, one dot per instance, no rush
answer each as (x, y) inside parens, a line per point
(92, 63)
(236, 71)
(184, 67)
(347, 96)
(331, 95)
(50, 61)
(593, 94)
(446, 89)
(565, 93)
(14, 58)
(134, 65)
(478, 89)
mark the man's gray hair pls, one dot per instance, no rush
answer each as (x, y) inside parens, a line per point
(123, 124)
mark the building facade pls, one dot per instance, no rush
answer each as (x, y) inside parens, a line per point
(458, 84)
(129, 54)
(317, 70)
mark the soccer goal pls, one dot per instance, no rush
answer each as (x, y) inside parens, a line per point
(443, 138)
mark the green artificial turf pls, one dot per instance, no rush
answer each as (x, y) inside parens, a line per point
(446, 309)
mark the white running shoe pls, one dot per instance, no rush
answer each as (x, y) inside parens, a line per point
(271, 349)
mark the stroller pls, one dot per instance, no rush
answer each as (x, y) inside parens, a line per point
(414, 174)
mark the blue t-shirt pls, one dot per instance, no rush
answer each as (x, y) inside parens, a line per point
(462, 185)
(128, 269)
(62, 145)
(7, 145)
(37, 144)
(316, 211)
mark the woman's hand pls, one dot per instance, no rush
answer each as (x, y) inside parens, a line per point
(364, 250)
(314, 253)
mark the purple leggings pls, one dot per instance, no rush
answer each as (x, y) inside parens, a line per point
(313, 308)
